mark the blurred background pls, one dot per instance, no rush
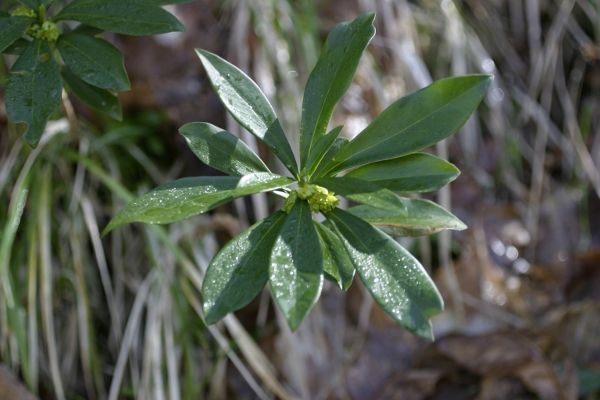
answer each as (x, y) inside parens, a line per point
(118, 318)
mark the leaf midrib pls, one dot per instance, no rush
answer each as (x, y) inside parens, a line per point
(403, 130)
(312, 140)
(93, 61)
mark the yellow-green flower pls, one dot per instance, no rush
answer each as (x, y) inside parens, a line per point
(23, 11)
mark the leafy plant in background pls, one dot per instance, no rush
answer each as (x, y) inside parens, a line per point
(291, 250)
(91, 67)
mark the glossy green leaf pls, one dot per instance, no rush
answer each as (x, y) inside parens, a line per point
(422, 217)
(333, 150)
(241, 269)
(94, 60)
(99, 99)
(396, 280)
(11, 29)
(186, 197)
(33, 89)
(248, 105)
(363, 192)
(17, 47)
(321, 148)
(414, 173)
(84, 29)
(336, 261)
(221, 149)
(131, 17)
(296, 268)
(331, 77)
(415, 121)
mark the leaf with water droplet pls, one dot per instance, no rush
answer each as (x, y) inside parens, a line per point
(414, 122)
(248, 105)
(330, 79)
(126, 17)
(99, 99)
(363, 192)
(94, 60)
(187, 197)
(221, 149)
(33, 90)
(417, 172)
(422, 217)
(407, 294)
(241, 269)
(11, 29)
(336, 262)
(296, 267)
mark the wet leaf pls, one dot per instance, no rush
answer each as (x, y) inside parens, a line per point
(330, 79)
(240, 270)
(414, 122)
(296, 269)
(248, 105)
(333, 150)
(321, 148)
(94, 60)
(420, 217)
(187, 197)
(11, 29)
(221, 149)
(17, 47)
(336, 261)
(414, 173)
(33, 89)
(363, 192)
(126, 17)
(99, 99)
(396, 280)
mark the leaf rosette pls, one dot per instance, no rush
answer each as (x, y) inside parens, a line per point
(380, 162)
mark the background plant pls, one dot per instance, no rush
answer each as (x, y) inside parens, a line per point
(49, 55)
(291, 250)
(355, 351)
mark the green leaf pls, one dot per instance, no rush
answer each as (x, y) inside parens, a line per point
(321, 148)
(33, 89)
(99, 99)
(331, 77)
(422, 217)
(414, 173)
(248, 105)
(84, 29)
(11, 29)
(396, 280)
(94, 60)
(414, 122)
(296, 269)
(17, 47)
(333, 150)
(363, 192)
(221, 150)
(241, 269)
(336, 261)
(130, 17)
(186, 197)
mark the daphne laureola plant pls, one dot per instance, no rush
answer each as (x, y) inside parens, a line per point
(290, 249)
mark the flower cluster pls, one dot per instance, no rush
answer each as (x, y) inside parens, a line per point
(45, 30)
(319, 198)
(23, 11)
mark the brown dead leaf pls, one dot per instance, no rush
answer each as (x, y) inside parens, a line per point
(411, 385)
(495, 354)
(11, 387)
